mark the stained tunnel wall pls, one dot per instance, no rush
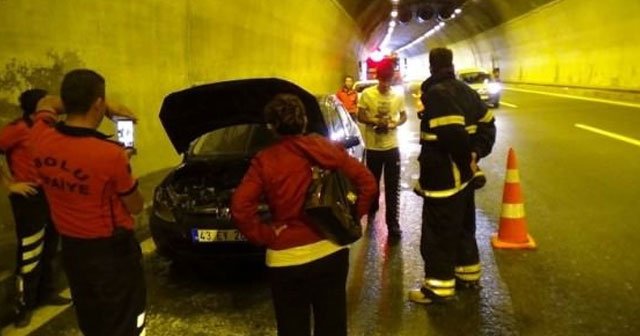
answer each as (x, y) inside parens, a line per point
(148, 48)
(584, 43)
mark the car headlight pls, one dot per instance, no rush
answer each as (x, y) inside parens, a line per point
(494, 88)
(162, 207)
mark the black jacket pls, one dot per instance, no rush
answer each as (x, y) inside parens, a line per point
(455, 123)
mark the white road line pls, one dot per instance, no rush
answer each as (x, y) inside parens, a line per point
(45, 314)
(508, 104)
(609, 134)
(597, 100)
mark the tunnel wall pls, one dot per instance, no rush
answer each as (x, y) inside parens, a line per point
(149, 48)
(582, 43)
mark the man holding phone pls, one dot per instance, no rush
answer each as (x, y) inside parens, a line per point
(92, 195)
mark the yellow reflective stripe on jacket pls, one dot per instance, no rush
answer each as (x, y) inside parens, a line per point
(428, 136)
(439, 193)
(448, 120)
(456, 173)
(488, 117)
(471, 129)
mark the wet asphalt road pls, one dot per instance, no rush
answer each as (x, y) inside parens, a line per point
(581, 193)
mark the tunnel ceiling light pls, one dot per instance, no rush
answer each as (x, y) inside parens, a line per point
(392, 23)
(458, 11)
(376, 56)
(394, 13)
(395, 1)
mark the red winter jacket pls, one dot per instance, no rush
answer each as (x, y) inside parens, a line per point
(282, 174)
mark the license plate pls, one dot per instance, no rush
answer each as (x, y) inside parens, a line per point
(209, 236)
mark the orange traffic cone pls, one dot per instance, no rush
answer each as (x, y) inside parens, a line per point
(512, 232)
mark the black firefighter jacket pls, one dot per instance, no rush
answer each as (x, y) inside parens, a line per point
(455, 123)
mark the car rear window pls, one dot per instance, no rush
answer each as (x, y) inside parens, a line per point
(240, 140)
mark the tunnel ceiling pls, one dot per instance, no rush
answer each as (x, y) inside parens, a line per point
(373, 16)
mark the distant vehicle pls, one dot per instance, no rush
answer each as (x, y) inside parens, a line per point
(218, 128)
(483, 82)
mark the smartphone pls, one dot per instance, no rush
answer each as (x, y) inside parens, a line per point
(125, 132)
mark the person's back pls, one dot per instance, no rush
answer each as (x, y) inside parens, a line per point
(82, 174)
(308, 272)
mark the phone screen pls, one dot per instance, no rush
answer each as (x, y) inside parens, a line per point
(125, 132)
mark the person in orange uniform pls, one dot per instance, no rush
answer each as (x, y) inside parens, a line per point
(349, 97)
(308, 272)
(37, 240)
(92, 193)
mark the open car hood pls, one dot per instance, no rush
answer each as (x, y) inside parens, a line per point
(188, 114)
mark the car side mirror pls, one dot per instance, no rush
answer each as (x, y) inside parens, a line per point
(350, 141)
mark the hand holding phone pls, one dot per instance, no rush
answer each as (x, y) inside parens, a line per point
(125, 132)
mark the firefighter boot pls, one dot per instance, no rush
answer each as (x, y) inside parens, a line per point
(433, 291)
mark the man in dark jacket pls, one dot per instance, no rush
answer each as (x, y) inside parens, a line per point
(456, 131)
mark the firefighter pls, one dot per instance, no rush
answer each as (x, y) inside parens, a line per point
(456, 131)
(37, 240)
(92, 195)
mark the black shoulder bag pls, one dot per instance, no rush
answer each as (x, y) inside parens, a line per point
(330, 204)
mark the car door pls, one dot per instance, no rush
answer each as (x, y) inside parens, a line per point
(343, 128)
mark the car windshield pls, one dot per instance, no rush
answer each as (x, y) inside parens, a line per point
(239, 140)
(475, 77)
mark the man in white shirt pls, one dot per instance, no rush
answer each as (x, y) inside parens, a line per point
(381, 111)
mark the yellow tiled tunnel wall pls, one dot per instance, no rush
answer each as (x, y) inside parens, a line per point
(589, 43)
(149, 48)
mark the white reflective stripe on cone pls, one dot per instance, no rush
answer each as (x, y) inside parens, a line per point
(141, 320)
(28, 268)
(33, 238)
(33, 253)
(512, 210)
(512, 176)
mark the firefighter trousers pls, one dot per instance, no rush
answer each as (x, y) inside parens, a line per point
(107, 284)
(37, 244)
(387, 161)
(448, 243)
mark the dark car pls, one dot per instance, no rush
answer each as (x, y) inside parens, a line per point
(218, 128)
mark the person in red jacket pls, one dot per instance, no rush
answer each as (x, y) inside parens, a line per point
(37, 238)
(349, 97)
(308, 272)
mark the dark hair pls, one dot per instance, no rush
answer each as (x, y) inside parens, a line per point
(80, 89)
(440, 58)
(286, 113)
(29, 101)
